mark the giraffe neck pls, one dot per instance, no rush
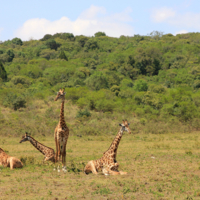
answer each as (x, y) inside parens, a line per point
(40, 147)
(62, 118)
(114, 145)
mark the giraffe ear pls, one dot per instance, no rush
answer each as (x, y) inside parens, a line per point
(128, 123)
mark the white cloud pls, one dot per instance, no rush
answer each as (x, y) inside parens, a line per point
(181, 32)
(175, 18)
(162, 14)
(92, 12)
(89, 22)
(187, 20)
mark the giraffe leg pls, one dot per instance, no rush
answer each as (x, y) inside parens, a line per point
(64, 159)
(59, 153)
(122, 173)
(114, 168)
(111, 172)
(43, 161)
(56, 157)
(11, 163)
(63, 165)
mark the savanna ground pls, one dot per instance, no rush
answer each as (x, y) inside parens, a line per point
(159, 166)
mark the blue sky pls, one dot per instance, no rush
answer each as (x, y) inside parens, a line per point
(33, 19)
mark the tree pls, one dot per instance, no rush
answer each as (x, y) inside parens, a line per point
(97, 81)
(3, 73)
(156, 34)
(91, 44)
(46, 37)
(138, 37)
(63, 56)
(147, 60)
(141, 85)
(66, 36)
(63, 36)
(51, 43)
(81, 40)
(98, 34)
(17, 41)
(10, 54)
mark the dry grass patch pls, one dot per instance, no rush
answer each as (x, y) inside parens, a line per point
(158, 166)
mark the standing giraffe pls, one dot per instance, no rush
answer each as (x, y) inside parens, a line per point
(61, 133)
(108, 162)
(8, 161)
(48, 152)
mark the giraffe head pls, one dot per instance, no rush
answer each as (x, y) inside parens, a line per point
(25, 138)
(60, 94)
(125, 126)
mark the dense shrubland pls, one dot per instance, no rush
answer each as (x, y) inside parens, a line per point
(154, 78)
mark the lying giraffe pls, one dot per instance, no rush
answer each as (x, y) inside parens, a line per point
(48, 152)
(8, 161)
(61, 133)
(108, 162)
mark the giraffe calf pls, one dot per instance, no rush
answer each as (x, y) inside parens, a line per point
(8, 161)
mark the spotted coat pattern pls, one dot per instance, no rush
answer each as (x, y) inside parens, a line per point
(49, 153)
(61, 132)
(108, 160)
(8, 161)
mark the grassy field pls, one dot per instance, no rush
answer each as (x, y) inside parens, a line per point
(159, 167)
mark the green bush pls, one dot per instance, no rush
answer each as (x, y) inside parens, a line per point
(46, 37)
(97, 81)
(17, 41)
(63, 56)
(48, 54)
(98, 34)
(91, 44)
(66, 36)
(105, 105)
(3, 73)
(28, 160)
(20, 79)
(196, 84)
(14, 101)
(75, 93)
(82, 113)
(81, 40)
(82, 102)
(157, 88)
(115, 89)
(10, 54)
(127, 93)
(140, 85)
(125, 83)
(51, 43)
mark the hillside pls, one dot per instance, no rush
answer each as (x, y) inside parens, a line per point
(152, 80)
